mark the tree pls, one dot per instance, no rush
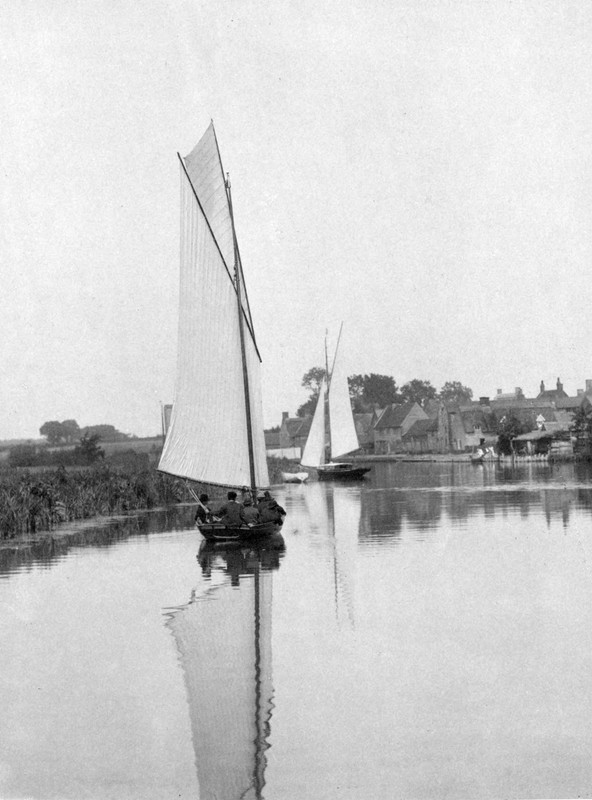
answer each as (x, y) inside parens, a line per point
(356, 386)
(70, 430)
(509, 427)
(108, 433)
(367, 391)
(312, 379)
(380, 390)
(88, 449)
(581, 429)
(417, 391)
(455, 392)
(53, 431)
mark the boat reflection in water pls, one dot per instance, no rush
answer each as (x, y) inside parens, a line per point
(223, 637)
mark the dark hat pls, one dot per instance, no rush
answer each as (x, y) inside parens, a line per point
(203, 498)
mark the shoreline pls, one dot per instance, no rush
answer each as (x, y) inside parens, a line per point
(73, 528)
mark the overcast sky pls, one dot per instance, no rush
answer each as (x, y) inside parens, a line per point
(421, 171)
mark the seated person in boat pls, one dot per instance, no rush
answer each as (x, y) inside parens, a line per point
(269, 509)
(250, 514)
(204, 512)
(246, 495)
(231, 513)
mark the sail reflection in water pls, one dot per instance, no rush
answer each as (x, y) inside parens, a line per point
(223, 638)
(332, 513)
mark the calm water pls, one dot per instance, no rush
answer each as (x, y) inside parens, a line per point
(425, 634)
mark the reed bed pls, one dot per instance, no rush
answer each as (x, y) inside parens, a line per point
(39, 499)
(33, 502)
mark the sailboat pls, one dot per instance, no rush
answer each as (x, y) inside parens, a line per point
(216, 428)
(334, 404)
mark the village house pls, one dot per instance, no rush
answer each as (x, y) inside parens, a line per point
(552, 395)
(392, 424)
(294, 430)
(422, 437)
(365, 430)
(471, 424)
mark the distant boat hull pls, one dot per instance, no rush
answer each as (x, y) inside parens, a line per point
(218, 532)
(294, 477)
(341, 472)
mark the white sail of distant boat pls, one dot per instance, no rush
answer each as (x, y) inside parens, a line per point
(313, 454)
(223, 639)
(342, 439)
(216, 429)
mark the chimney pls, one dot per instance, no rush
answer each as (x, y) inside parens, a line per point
(484, 401)
(588, 386)
(499, 391)
(285, 415)
(559, 385)
(542, 386)
(518, 391)
(580, 392)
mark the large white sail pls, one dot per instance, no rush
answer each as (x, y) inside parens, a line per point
(344, 438)
(206, 174)
(207, 441)
(314, 449)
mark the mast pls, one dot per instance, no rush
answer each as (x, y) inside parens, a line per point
(242, 342)
(326, 398)
(329, 376)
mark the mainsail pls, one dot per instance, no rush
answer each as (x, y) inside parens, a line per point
(314, 450)
(342, 430)
(344, 438)
(208, 439)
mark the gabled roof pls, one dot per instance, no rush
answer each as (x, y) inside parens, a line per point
(551, 394)
(476, 416)
(550, 429)
(421, 427)
(363, 423)
(571, 402)
(297, 426)
(394, 416)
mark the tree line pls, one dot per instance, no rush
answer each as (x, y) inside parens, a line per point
(69, 431)
(370, 391)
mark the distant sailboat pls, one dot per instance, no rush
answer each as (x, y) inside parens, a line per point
(216, 428)
(333, 403)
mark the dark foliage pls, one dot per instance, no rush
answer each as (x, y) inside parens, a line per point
(508, 428)
(36, 502)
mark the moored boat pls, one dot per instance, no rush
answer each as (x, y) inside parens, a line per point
(333, 432)
(216, 428)
(294, 477)
(341, 471)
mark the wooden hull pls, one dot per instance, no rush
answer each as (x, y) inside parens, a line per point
(343, 472)
(218, 532)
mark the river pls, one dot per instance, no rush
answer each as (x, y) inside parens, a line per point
(425, 633)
